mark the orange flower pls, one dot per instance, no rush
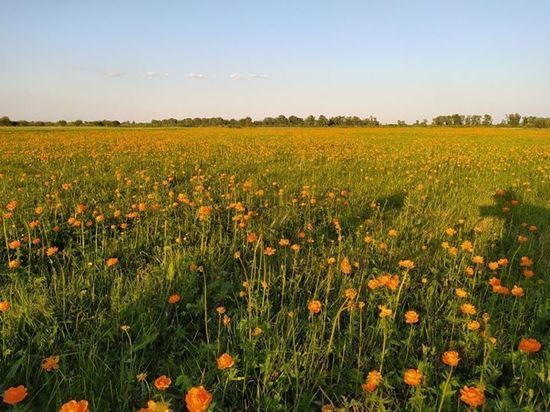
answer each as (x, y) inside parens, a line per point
(525, 261)
(350, 293)
(10, 207)
(530, 345)
(198, 399)
(50, 363)
(517, 291)
(373, 380)
(112, 262)
(4, 306)
(469, 271)
(173, 299)
(162, 382)
(501, 290)
(472, 396)
(467, 246)
(411, 317)
(225, 361)
(160, 406)
(375, 377)
(16, 244)
(522, 239)
(461, 293)
(269, 251)
(413, 377)
(478, 260)
(295, 248)
(12, 396)
(345, 266)
(492, 265)
(450, 358)
(14, 264)
(251, 237)
(503, 262)
(407, 264)
(384, 311)
(284, 242)
(392, 282)
(369, 386)
(373, 284)
(473, 325)
(494, 281)
(75, 406)
(387, 280)
(392, 233)
(204, 212)
(468, 309)
(528, 273)
(52, 251)
(314, 306)
(450, 231)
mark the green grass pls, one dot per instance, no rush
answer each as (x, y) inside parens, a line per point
(296, 182)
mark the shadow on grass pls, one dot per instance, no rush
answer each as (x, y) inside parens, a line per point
(518, 217)
(529, 221)
(392, 202)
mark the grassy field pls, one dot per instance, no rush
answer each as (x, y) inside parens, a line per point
(274, 269)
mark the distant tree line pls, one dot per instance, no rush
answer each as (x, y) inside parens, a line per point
(279, 121)
(452, 120)
(472, 120)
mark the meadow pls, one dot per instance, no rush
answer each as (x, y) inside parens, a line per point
(274, 269)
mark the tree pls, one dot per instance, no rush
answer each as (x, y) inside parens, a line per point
(441, 121)
(5, 121)
(533, 121)
(487, 120)
(246, 122)
(282, 120)
(513, 119)
(295, 121)
(457, 119)
(309, 121)
(322, 121)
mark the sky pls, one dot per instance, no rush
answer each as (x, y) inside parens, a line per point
(396, 60)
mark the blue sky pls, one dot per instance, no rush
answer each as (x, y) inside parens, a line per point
(137, 60)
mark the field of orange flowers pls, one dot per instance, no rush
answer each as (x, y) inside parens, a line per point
(274, 269)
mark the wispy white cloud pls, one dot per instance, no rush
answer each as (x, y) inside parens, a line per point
(97, 70)
(259, 76)
(235, 76)
(113, 73)
(152, 73)
(195, 75)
